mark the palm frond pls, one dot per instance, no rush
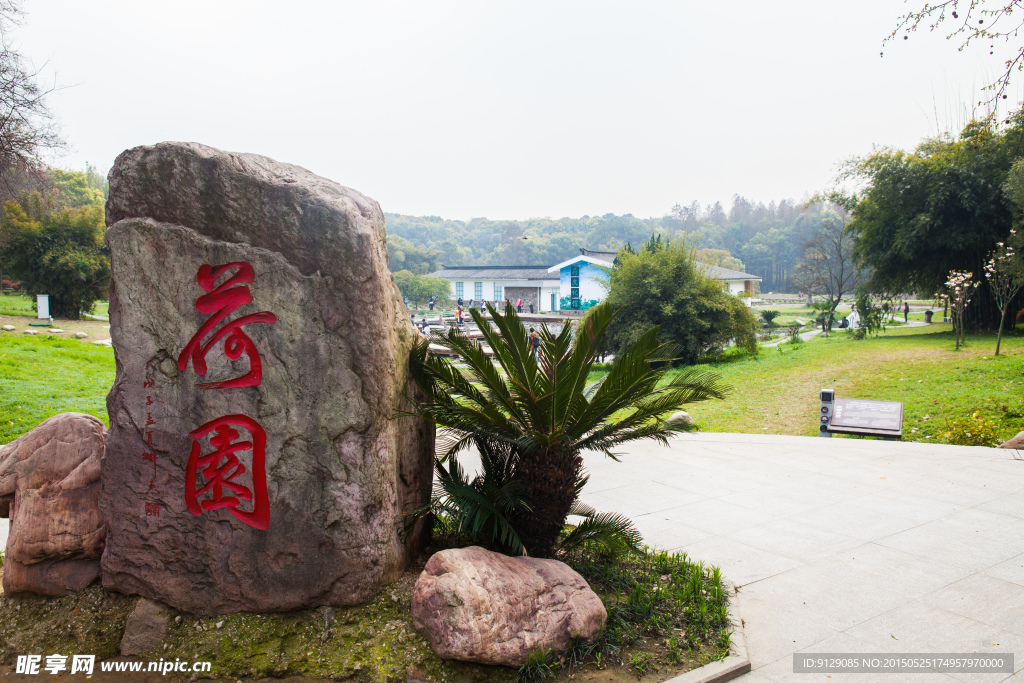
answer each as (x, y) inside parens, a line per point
(479, 508)
(615, 534)
(527, 416)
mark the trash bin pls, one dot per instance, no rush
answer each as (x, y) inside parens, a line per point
(928, 317)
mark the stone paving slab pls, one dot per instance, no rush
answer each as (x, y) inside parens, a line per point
(840, 545)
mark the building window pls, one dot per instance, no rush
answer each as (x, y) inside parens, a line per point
(497, 293)
(458, 290)
(478, 290)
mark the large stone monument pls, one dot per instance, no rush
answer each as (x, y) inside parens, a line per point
(257, 459)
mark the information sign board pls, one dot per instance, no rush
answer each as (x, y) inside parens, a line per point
(868, 418)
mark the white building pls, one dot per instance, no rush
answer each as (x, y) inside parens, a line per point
(576, 284)
(534, 284)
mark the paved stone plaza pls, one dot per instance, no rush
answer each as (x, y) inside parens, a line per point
(840, 545)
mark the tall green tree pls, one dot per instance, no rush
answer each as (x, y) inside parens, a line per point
(719, 257)
(76, 188)
(938, 208)
(537, 416)
(419, 289)
(661, 285)
(404, 255)
(57, 252)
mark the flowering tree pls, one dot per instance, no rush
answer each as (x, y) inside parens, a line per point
(960, 289)
(1002, 272)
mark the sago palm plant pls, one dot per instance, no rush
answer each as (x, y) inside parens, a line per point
(538, 416)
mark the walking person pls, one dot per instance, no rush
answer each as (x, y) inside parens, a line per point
(519, 305)
(460, 302)
(906, 311)
(534, 341)
(431, 304)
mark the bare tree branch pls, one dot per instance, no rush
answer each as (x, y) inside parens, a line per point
(989, 21)
(27, 126)
(828, 267)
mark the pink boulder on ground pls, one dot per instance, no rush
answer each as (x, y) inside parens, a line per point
(1016, 442)
(49, 487)
(478, 606)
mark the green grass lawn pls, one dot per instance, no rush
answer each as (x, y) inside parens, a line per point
(43, 376)
(773, 393)
(777, 392)
(19, 304)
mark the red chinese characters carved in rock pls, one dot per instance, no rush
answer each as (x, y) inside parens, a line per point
(221, 301)
(221, 468)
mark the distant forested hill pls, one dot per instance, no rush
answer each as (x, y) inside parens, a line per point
(768, 240)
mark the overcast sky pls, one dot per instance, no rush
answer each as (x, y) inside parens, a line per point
(508, 109)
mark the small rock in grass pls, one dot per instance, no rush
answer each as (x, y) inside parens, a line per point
(81, 335)
(220, 624)
(681, 417)
(55, 330)
(8, 328)
(31, 331)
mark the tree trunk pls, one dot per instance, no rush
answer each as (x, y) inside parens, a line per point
(1002, 321)
(550, 480)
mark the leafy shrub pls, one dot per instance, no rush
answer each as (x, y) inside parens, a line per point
(662, 286)
(974, 430)
(769, 316)
(60, 253)
(872, 317)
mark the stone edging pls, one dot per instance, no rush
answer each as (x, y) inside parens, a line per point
(736, 664)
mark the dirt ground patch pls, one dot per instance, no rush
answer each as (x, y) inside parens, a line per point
(96, 329)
